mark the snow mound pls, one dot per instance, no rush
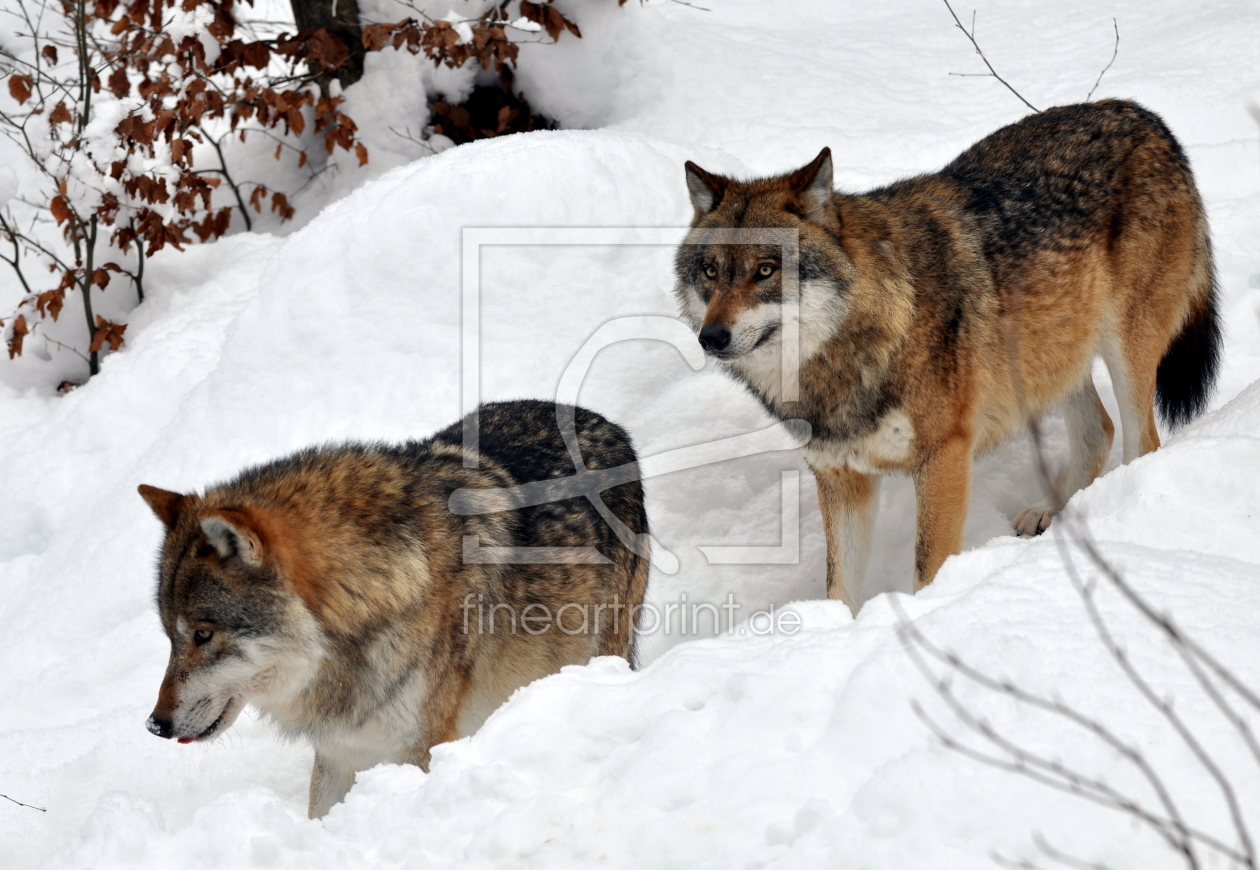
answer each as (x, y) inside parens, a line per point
(758, 748)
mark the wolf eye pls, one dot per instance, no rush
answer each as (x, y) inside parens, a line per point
(765, 270)
(202, 636)
(710, 272)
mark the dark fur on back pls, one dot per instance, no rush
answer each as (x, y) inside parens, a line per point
(1053, 179)
(1057, 178)
(523, 439)
(388, 493)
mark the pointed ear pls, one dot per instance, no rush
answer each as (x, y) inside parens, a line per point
(164, 503)
(814, 185)
(705, 188)
(233, 533)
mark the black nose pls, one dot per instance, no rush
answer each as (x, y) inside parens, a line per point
(714, 338)
(160, 727)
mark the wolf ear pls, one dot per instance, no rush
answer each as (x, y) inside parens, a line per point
(814, 185)
(164, 503)
(705, 188)
(233, 533)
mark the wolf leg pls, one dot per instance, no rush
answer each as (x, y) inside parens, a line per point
(942, 489)
(330, 782)
(848, 502)
(1090, 433)
(1133, 366)
(446, 699)
(616, 628)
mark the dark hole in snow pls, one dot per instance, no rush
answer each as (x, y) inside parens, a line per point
(490, 110)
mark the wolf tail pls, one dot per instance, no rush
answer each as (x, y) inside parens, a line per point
(1187, 373)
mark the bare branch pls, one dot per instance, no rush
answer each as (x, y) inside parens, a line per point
(19, 803)
(1171, 826)
(1063, 858)
(971, 37)
(1114, 51)
(1160, 704)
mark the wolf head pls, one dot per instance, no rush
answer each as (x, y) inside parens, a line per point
(237, 630)
(782, 266)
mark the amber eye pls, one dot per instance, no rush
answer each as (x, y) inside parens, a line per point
(765, 270)
(202, 636)
(710, 272)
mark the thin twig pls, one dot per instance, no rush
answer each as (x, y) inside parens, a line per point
(1063, 858)
(1161, 705)
(223, 170)
(406, 135)
(16, 262)
(19, 803)
(971, 37)
(692, 5)
(1114, 52)
(1171, 826)
(48, 341)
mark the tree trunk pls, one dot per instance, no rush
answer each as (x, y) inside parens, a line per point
(341, 18)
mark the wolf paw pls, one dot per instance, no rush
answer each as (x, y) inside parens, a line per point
(1032, 521)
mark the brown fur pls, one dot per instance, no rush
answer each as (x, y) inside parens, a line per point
(944, 310)
(337, 582)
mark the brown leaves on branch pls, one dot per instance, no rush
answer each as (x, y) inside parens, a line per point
(280, 203)
(197, 87)
(50, 302)
(61, 114)
(107, 333)
(490, 45)
(185, 84)
(19, 333)
(60, 209)
(549, 17)
(213, 225)
(442, 43)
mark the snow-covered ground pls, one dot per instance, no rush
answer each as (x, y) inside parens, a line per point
(747, 750)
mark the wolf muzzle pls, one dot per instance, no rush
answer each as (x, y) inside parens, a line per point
(714, 338)
(160, 727)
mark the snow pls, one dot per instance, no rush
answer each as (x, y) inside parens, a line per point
(460, 26)
(787, 749)
(8, 185)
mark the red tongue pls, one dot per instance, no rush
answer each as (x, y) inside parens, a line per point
(187, 739)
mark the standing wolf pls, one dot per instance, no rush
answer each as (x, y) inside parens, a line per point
(937, 314)
(340, 592)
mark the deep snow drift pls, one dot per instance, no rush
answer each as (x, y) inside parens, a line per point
(782, 749)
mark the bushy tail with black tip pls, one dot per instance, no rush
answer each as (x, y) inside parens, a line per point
(1187, 373)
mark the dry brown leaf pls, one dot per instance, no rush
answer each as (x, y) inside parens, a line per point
(60, 209)
(50, 302)
(61, 115)
(20, 90)
(19, 333)
(107, 333)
